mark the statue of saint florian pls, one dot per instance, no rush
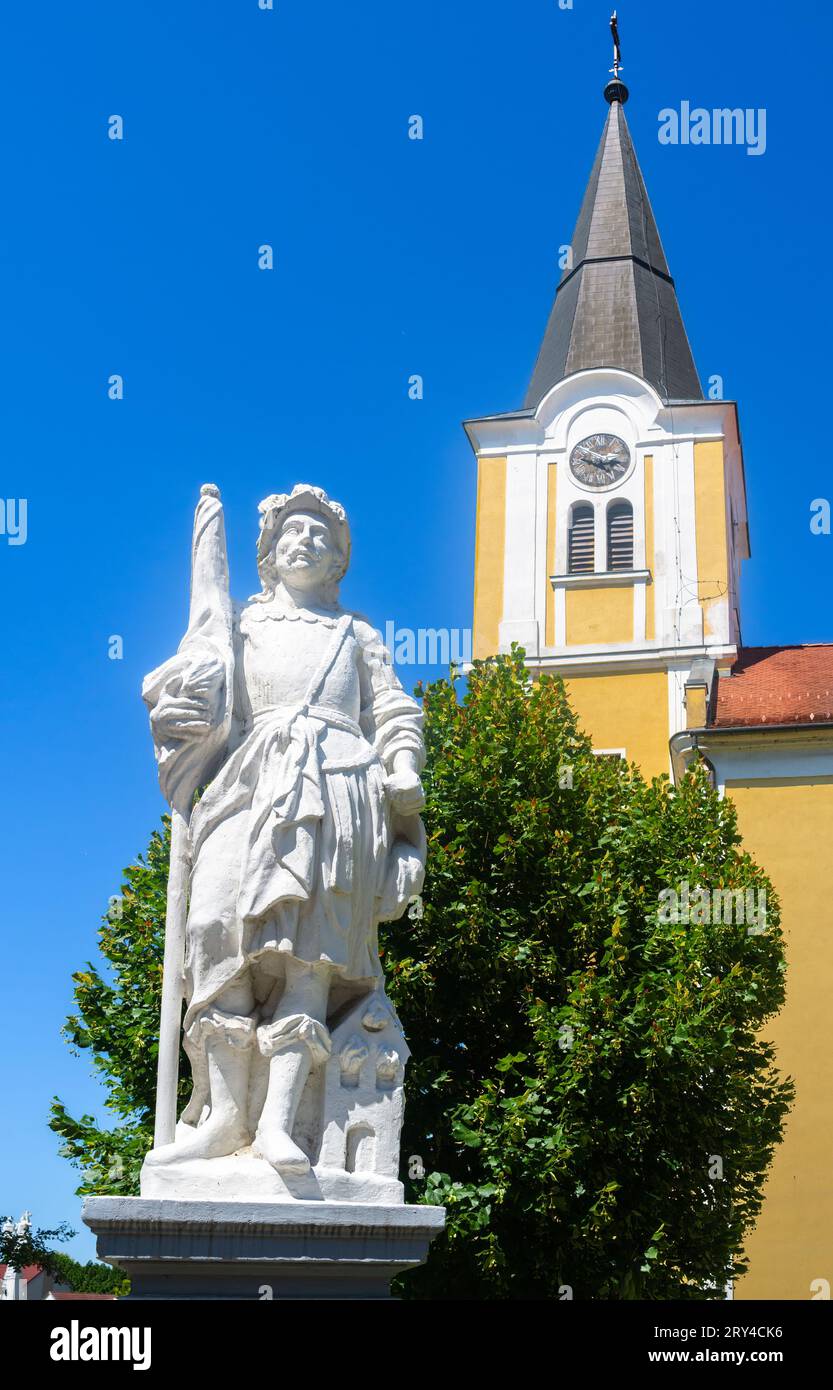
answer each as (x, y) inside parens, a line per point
(287, 711)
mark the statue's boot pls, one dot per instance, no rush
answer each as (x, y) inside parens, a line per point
(294, 1045)
(227, 1041)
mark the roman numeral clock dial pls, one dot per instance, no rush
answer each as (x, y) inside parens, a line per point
(600, 460)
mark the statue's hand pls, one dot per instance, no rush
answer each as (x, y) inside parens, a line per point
(181, 717)
(187, 706)
(405, 791)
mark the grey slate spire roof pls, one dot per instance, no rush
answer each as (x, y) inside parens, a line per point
(617, 306)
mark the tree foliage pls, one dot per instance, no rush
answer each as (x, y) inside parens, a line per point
(22, 1245)
(91, 1277)
(116, 1023)
(582, 1071)
(589, 1094)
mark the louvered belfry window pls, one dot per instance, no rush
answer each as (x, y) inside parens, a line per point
(582, 558)
(620, 536)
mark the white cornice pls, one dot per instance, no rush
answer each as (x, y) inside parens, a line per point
(496, 435)
(606, 661)
(656, 440)
(656, 423)
(764, 753)
(609, 579)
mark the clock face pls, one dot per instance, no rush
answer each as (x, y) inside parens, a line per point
(600, 460)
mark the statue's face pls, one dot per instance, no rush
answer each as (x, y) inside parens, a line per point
(305, 552)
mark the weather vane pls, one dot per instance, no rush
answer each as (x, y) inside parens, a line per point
(617, 47)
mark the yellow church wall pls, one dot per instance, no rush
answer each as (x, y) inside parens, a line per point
(627, 711)
(696, 707)
(598, 616)
(784, 824)
(489, 548)
(710, 527)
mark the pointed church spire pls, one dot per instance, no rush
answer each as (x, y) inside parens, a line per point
(616, 305)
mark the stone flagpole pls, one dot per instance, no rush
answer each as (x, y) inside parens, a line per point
(210, 616)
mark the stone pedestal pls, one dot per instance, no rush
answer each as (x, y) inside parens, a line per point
(260, 1250)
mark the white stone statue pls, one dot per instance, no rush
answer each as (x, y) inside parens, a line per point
(287, 712)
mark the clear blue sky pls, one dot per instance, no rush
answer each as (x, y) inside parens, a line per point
(392, 257)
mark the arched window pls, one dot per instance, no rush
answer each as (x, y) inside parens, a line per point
(620, 536)
(582, 556)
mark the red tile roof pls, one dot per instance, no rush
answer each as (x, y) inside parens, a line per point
(28, 1272)
(777, 685)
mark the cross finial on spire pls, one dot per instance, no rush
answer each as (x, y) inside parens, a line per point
(617, 47)
(616, 90)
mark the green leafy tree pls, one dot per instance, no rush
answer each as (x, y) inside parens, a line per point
(116, 1023)
(22, 1245)
(589, 1093)
(91, 1277)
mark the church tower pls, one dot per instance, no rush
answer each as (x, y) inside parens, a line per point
(611, 526)
(611, 508)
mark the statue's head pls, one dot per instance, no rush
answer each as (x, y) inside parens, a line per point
(304, 543)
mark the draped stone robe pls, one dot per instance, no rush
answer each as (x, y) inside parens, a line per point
(294, 848)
